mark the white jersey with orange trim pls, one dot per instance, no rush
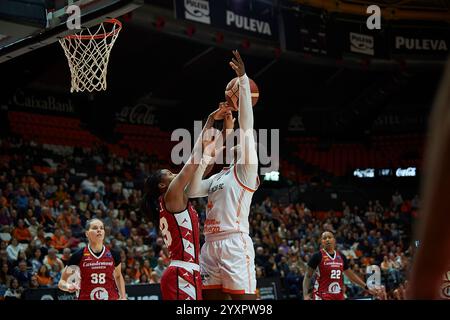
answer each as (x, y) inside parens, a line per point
(227, 257)
(229, 203)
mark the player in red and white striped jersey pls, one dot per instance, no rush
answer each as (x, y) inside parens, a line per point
(167, 203)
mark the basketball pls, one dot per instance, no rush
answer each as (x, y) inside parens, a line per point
(232, 92)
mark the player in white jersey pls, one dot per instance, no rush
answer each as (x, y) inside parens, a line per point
(227, 259)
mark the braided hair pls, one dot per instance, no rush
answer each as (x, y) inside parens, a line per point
(152, 192)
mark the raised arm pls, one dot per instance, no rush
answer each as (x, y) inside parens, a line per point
(228, 125)
(172, 197)
(198, 187)
(245, 117)
(248, 163)
(307, 283)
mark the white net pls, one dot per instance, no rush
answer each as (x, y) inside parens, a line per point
(88, 52)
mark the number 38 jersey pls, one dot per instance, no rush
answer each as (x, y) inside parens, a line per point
(180, 232)
(329, 284)
(97, 273)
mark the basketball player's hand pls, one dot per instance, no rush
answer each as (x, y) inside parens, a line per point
(220, 113)
(237, 64)
(307, 297)
(229, 121)
(376, 293)
(72, 287)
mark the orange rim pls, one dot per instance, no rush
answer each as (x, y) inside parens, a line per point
(98, 36)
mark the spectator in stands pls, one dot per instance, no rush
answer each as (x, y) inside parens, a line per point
(293, 282)
(159, 269)
(260, 257)
(146, 268)
(13, 250)
(84, 203)
(33, 227)
(152, 258)
(58, 240)
(39, 239)
(43, 276)
(141, 248)
(136, 272)
(5, 218)
(5, 277)
(65, 218)
(22, 274)
(143, 279)
(126, 230)
(127, 279)
(259, 273)
(155, 277)
(21, 232)
(14, 291)
(61, 194)
(55, 209)
(3, 199)
(76, 228)
(283, 267)
(72, 241)
(47, 220)
(53, 263)
(97, 203)
(66, 256)
(88, 187)
(51, 187)
(397, 200)
(36, 260)
(21, 201)
(271, 269)
(34, 284)
(99, 185)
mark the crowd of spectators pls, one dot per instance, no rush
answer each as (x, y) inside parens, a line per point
(285, 238)
(46, 199)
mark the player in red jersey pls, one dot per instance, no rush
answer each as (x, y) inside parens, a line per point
(329, 265)
(178, 221)
(99, 269)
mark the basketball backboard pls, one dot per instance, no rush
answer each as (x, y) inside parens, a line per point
(26, 25)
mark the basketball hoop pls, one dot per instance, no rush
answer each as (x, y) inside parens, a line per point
(88, 52)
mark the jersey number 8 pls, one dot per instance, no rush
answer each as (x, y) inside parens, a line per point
(164, 226)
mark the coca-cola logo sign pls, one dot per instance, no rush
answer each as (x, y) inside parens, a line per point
(141, 113)
(408, 172)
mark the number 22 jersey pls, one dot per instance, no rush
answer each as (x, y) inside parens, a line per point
(329, 284)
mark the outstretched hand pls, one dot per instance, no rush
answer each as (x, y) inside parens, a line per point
(221, 112)
(237, 64)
